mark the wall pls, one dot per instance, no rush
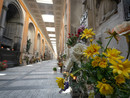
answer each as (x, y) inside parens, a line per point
(110, 24)
(1, 5)
(25, 19)
(76, 12)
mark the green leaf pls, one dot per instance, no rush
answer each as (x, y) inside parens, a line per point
(100, 73)
(99, 76)
(84, 76)
(92, 79)
(99, 42)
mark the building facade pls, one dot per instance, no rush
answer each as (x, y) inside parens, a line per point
(20, 37)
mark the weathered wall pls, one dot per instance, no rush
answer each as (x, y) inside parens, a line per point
(114, 20)
(76, 12)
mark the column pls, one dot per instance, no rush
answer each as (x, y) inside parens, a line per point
(63, 38)
(25, 33)
(24, 37)
(1, 5)
(68, 15)
(2, 21)
(68, 19)
(41, 46)
(44, 48)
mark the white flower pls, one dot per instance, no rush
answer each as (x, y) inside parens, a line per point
(78, 49)
(76, 53)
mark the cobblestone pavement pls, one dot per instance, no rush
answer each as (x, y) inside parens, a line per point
(31, 81)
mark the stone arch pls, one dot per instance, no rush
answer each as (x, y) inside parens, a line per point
(11, 27)
(12, 35)
(31, 35)
(38, 44)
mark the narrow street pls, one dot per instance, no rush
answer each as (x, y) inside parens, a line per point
(31, 81)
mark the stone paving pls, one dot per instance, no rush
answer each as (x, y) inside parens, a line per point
(31, 81)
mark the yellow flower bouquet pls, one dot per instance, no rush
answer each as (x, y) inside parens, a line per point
(105, 68)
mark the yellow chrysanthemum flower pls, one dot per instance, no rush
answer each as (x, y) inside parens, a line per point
(120, 79)
(104, 59)
(97, 58)
(122, 68)
(94, 63)
(87, 33)
(104, 88)
(91, 40)
(60, 81)
(103, 64)
(91, 50)
(113, 54)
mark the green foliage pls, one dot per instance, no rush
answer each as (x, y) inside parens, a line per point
(72, 41)
(99, 42)
(64, 56)
(54, 69)
(80, 84)
(26, 58)
(28, 45)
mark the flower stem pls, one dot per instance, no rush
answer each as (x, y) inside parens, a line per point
(108, 43)
(78, 70)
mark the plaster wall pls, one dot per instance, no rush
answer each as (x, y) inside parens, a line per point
(76, 12)
(110, 24)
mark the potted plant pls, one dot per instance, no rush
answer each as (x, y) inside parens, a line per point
(26, 58)
(55, 69)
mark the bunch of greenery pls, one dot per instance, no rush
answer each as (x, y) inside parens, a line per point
(54, 69)
(26, 58)
(64, 56)
(28, 45)
(78, 85)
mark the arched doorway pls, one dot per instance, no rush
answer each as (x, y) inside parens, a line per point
(31, 33)
(13, 27)
(12, 34)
